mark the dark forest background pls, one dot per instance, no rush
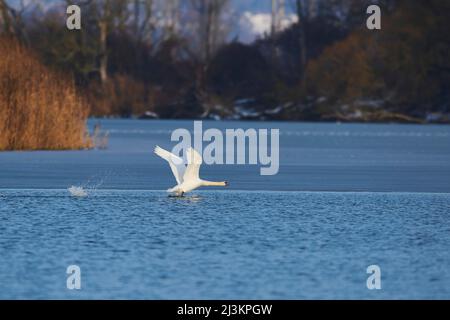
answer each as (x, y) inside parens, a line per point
(325, 67)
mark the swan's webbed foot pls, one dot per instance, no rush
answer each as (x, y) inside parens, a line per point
(177, 195)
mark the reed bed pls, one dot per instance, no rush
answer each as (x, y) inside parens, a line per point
(40, 109)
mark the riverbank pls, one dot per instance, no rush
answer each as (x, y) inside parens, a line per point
(282, 114)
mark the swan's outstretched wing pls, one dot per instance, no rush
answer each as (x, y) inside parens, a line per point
(194, 160)
(175, 162)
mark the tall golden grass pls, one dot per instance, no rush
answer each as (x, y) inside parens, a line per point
(39, 108)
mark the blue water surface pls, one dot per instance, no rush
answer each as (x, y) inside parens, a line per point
(347, 196)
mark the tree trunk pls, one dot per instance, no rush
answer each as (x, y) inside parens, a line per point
(12, 22)
(273, 23)
(5, 18)
(137, 18)
(103, 68)
(302, 37)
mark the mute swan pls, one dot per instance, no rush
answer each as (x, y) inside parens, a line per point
(187, 176)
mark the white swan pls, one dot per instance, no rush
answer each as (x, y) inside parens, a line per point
(187, 176)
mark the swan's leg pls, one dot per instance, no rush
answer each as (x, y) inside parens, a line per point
(177, 194)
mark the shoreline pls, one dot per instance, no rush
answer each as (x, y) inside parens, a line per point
(331, 121)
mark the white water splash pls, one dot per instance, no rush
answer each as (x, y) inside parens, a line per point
(77, 191)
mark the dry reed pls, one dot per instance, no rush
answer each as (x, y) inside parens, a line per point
(39, 108)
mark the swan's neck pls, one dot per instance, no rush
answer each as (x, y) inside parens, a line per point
(213, 183)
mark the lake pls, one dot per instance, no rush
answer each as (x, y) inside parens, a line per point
(346, 196)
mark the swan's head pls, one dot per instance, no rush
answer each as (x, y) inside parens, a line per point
(214, 184)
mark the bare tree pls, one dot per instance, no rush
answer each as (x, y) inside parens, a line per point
(143, 20)
(273, 18)
(107, 16)
(5, 17)
(210, 28)
(171, 17)
(302, 14)
(11, 19)
(278, 15)
(104, 28)
(209, 32)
